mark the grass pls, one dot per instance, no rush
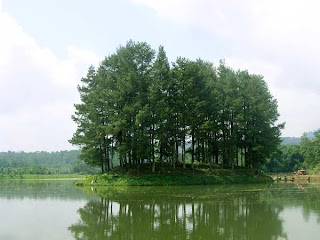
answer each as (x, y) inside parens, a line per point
(166, 176)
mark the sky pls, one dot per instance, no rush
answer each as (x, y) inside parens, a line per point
(47, 46)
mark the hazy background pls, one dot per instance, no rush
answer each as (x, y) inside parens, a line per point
(47, 46)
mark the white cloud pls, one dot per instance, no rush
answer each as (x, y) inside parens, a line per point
(37, 90)
(192, 13)
(298, 110)
(278, 39)
(295, 104)
(271, 72)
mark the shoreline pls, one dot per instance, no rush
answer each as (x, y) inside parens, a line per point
(43, 177)
(293, 177)
(171, 180)
(177, 177)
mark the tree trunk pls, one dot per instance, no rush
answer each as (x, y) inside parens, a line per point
(198, 150)
(112, 155)
(184, 152)
(101, 159)
(153, 166)
(177, 154)
(107, 158)
(203, 152)
(161, 154)
(192, 153)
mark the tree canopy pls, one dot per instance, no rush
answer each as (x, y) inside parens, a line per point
(292, 157)
(144, 109)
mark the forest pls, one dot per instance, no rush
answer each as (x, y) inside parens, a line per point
(140, 107)
(292, 157)
(60, 162)
(286, 158)
(136, 108)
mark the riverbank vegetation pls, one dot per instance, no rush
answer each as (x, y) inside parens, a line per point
(12, 176)
(43, 163)
(290, 158)
(144, 110)
(165, 176)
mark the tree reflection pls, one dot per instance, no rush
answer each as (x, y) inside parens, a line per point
(236, 217)
(305, 195)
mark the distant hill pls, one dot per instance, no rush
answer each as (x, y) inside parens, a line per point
(290, 141)
(310, 135)
(61, 162)
(295, 140)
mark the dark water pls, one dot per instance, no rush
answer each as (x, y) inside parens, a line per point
(56, 210)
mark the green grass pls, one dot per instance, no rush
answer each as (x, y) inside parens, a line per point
(165, 176)
(40, 176)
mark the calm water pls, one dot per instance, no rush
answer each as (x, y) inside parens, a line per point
(56, 210)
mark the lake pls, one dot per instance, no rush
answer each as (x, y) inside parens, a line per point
(50, 210)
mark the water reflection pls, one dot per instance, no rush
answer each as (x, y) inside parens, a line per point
(40, 189)
(39, 209)
(302, 197)
(232, 215)
(294, 194)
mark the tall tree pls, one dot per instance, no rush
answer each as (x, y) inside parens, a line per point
(159, 112)
(258, 120)
(310, 149)
(139, 107)
(88, 119)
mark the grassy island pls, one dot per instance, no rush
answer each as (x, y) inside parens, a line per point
(136, 107)
(167, 176)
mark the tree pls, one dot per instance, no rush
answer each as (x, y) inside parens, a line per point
(259, 133)
(159, 112)
(137, 106)
(310, 149)
(287, 158)
(88, 118)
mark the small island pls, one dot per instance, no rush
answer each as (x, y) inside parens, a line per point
(165, 176)
(145, 121)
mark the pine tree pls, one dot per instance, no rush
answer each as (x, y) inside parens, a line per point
(135, 105)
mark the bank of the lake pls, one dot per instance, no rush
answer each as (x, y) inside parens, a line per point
(178, 176)
(42, 176)
(37, 209)
(294, 177)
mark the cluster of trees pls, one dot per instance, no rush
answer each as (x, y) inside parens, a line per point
(141, 107)
(160, 219)
(287, 158)
(292, 157)
(42, 162)
(310, 150)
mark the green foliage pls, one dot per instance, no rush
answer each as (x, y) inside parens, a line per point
(165, 177)
(62, 162)
(288, 158)
(310, 149)
(139, 108)
(22, 174)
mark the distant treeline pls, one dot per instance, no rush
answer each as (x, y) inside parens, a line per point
(295, 140)
(145, 109)
(292, 157)
(43, 162)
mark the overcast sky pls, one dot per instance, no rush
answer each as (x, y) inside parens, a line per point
(47, 46)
